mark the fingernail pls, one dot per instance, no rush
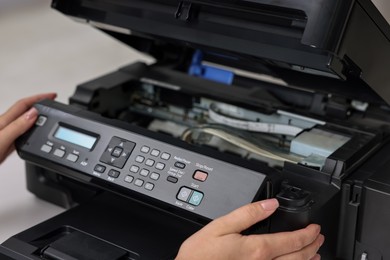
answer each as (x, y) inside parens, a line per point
(270, 204)
(322, 240)
(32, 113)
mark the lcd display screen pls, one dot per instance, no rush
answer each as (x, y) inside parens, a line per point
(75, 137)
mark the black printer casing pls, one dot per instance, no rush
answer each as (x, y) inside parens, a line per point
(328, 53)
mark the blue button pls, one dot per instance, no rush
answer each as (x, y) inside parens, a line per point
(196, 198)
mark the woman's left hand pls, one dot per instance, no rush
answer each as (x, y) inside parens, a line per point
(17, 120)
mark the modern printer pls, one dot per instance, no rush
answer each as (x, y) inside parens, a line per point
(246, 100)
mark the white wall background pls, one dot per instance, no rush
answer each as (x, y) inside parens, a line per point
(40, 51)
(384, 7)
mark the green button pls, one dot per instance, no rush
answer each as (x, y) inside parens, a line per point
(196, 198)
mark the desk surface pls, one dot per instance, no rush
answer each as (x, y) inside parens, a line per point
(43, 51)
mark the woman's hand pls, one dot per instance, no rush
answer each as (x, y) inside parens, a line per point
(17, 120)
(222, 239)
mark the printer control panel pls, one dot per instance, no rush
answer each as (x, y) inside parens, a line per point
(74, 142)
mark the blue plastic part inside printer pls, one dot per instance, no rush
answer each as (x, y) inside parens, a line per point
(208, 72)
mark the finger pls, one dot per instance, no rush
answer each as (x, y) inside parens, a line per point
(309, 252)
(244, 217)
(283, 243)
(316, 257)
(14, 130)
(22, 106)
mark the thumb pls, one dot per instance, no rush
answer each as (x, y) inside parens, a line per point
(244, 217)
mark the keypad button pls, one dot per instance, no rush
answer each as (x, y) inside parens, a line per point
(180, 165)
(196, 198)
(134, 168)
(145, 149)
(184, 194)
(160, 166)
(144, 172)
(149, 162)
(117, 152)
(112, 161)
(149, 186)
(59, 153)
(129, 179)
(139, 159)
(172, 179)
(155, 176)
(113, 173)
(165, 156)
(155, 152)
(41, 121)
(200, 176)
(72, 157)
(46, 148)
(99, 168)
(139, 182)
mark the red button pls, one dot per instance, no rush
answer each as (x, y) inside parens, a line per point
(200, 176)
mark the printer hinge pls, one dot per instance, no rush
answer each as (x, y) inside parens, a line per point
(184, 11)
(338, 108)
(331, 106)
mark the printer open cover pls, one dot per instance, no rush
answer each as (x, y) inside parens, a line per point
(246, 100)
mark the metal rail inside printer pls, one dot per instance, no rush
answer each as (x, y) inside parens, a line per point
(307, 106)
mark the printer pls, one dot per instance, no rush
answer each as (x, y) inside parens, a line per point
(246, 100)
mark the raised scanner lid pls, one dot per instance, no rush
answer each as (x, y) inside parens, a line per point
(343, 39)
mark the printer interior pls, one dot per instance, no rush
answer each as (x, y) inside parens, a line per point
(249, 130)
